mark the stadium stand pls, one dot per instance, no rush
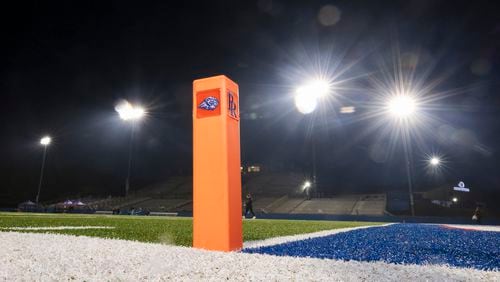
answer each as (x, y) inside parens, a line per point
(263, 204)
(398, 202)
(187, 206)
(273, 193)
(370, 205)
(289, 205)
(337, 205)
(424, 207)
(158, 205)
(281, 194)
(274, 184)
(118, 202)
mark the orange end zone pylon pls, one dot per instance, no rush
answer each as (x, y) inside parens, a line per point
(217, 221)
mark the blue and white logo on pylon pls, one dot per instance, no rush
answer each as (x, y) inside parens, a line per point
(210, 103)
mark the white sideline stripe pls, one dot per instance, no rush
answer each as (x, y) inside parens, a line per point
(30, 228)
(55, 257)
(474, 227)
(293, 238)
(51, 215)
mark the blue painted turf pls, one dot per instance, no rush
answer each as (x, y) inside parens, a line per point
(400, 243)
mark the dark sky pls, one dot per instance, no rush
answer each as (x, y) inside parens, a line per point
(64, 65)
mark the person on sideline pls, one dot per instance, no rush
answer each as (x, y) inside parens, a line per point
(477, 215)
(248, 206)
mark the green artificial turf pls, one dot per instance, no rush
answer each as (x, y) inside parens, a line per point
(166, 230)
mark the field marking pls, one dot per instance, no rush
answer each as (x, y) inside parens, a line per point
(400, 243)
(51, 257)
(13, 215)
(48, 228)
(90, 216)
(299, 237)
(491, 228)
(44, 214)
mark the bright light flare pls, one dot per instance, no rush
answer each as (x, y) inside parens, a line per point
(347, 110)
(307, 96)
(455, 199)
(434, 161)
(305, 103)
(317, 88)
(45, 141)
(402, 106)
(306, 185)
(128, 111)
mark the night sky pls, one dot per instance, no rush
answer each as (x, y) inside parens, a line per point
(65, 64)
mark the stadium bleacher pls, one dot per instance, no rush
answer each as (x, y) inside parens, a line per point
(373, 204)
(288, 206)
(158, 205)
(263, 204)
(274, 184)
(337, 205)
(273, 193)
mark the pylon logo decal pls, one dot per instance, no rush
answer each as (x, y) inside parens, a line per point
(210, 103)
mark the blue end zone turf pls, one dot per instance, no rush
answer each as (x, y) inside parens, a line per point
(401, 244)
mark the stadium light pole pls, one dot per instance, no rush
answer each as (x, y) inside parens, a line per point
(403, 107)
(306, 101)
(45, 142)
(130, 113)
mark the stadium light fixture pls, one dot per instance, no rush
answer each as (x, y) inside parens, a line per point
(127, 111)
(305, 104)
(45, 141)
(307, 96)
(402, 106)
(317, 88)
(434, 161)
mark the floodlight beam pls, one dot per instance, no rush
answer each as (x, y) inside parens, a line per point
(307, 96)
(434, 161)
(128, 111)
(402, 106)
(305, 103)
(45, 141)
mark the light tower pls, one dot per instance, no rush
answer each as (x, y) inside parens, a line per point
(130, 113)
(403, 107)
(306, 100)
(45, 142)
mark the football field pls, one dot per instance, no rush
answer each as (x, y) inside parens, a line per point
(42, 247)
(166, 230)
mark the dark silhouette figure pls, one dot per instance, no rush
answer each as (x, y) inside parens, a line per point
(477, 215)
(248, 206)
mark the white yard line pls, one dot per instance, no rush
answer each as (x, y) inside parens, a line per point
(292, 238)
(53, 257)
(474, 227)
(48, 228)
